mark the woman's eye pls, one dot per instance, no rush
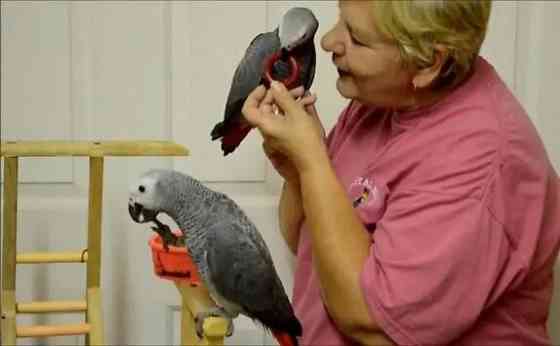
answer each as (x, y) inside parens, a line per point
(356, 42)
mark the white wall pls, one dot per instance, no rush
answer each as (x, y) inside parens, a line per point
(161, 70)
(538, 73)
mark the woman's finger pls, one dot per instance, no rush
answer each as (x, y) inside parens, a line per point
(308, 100)
(251, 106)
(297, 92)
(275, 110)
(266, 109)
(283, 98)
(268, 98)
(310, 108)
(256, 96)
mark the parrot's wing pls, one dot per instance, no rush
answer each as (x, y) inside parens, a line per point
(242, 275)
(312, 62)
(249, 71)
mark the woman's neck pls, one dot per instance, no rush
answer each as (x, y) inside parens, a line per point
(423, 98)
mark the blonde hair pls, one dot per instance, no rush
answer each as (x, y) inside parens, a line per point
(417, 26)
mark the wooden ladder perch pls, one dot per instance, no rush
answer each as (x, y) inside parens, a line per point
(91, 256)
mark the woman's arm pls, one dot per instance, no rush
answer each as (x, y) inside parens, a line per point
(290, 214)
(340, 247)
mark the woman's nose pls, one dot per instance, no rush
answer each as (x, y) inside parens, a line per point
(331, 42)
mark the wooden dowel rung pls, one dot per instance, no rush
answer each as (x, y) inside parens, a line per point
(51, 306)
(54, 330)
(52, 257)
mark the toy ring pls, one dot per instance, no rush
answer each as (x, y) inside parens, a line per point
(288, 81)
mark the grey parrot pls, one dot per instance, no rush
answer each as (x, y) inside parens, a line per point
(230, 254)
(291, 41)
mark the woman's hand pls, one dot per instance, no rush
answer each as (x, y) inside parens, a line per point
(280, 161)
(293, 134)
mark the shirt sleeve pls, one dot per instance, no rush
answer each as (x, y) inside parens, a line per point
(432, 267)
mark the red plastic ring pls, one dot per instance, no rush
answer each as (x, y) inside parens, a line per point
(288, 81)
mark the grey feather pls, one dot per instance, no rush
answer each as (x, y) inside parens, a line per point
(248, 72)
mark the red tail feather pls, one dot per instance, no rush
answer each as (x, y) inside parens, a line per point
(231, 140)
(285, 339)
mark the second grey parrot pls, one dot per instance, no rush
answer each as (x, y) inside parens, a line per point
(292, 39)
(230, 254)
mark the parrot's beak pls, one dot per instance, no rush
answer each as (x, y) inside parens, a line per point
(140, 214)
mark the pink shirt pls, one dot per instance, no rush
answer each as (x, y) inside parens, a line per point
(463, 208)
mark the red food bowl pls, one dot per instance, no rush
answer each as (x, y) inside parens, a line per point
(175, 264)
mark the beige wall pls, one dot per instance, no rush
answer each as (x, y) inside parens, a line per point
(547, 71)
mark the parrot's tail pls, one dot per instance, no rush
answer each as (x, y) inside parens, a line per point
(285, 339)
(231, 135)
(218, 131)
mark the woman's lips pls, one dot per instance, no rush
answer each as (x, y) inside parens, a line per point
(342, 73)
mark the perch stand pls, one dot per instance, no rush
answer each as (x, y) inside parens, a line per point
(177, 265)
(92, 328)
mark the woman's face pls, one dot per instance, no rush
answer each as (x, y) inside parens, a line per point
(370, 67)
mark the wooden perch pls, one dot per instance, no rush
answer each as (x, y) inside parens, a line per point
(196, 299)
(91, 148)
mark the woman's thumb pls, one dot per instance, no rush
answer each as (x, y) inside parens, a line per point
(283, 98)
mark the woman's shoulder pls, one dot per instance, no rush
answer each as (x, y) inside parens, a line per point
(481, 129)
(488, 114)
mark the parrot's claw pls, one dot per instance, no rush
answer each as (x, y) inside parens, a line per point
(163, 236)
(167, 237)
(214, 312)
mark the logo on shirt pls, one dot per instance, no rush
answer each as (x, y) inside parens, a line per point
(368, 198)
(362, 191)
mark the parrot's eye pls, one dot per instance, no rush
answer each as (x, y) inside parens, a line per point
(141, 188)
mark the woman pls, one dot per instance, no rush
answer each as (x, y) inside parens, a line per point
(430, 214)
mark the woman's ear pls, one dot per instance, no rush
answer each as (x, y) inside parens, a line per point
(424, 77)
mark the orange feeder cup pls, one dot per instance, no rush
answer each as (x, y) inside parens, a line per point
(175, 264)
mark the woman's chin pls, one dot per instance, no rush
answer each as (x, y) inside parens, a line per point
(345, 87)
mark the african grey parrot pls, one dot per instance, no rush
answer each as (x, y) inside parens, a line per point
(231, 256)
(293, 38)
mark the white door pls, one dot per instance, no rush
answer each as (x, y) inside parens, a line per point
(149, 70)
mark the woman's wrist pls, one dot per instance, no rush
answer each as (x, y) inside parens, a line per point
(317, 164)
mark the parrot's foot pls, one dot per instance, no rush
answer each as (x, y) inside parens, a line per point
(167, 237)
(214, 312)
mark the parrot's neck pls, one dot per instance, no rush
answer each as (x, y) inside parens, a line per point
(193, 227)
(191, 214)
(192, 222)
(304, 49)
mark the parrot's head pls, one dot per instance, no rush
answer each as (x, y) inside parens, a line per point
(298, 27)
(146, 197)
